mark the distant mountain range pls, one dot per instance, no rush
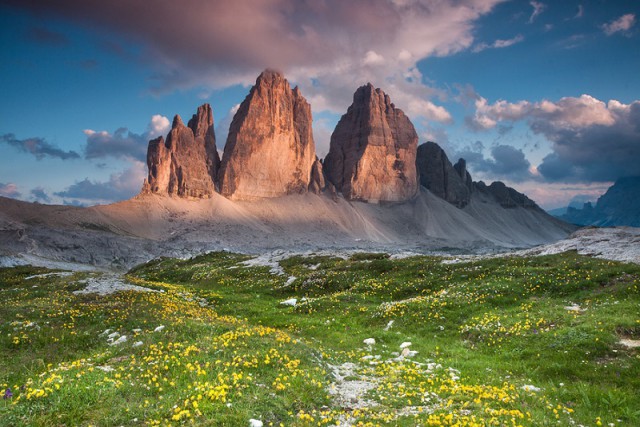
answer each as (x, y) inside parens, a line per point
(619, 206)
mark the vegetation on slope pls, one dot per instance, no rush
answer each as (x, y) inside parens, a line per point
(505, 341)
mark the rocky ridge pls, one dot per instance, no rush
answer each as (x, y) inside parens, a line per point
(270, 152)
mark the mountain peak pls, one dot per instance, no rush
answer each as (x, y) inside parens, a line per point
(270, 149)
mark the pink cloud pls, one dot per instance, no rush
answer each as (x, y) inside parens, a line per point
(622, 24)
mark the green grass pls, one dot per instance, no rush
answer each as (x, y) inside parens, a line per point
(229, 351)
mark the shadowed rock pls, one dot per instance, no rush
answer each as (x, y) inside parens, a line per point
(317, 183)
(507, 197)
(436, 173)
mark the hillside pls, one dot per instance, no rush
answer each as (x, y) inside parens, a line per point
(219, 340)
(124, 234)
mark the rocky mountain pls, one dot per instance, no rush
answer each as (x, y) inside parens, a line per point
(187, 162)
(438, 175)
(454, 183)
(373, 150)
(304, 203)
(620, 205)
(270, 150)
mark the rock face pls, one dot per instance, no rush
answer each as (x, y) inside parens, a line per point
(373, 150)
(186, 163)
(270, 150)
(317, 183)
(451, 183)
(506, 196)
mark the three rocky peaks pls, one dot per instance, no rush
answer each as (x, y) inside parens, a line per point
(270, 152)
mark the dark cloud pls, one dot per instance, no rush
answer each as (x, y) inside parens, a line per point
(122, 143)
(592, 141)
(77, 203)
(593, 152)
(338, 44)
(38, 147)
(120, 186)
(9, 190)
(40, 195)
(45, 36)
(506, 162)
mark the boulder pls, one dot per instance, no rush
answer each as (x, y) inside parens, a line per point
(373, 150)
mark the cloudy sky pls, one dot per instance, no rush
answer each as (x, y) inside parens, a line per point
(542, 95)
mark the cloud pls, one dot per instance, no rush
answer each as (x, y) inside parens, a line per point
(622, 24)
(222, 127)
(158, 126)
(322, 130)
(40, 195)
(48, 37)
(9, 190)
(506, 162)
(556, 195)
(123, 143)
(120, 186)
(372, 58)
(498, 44)
(580, 12)
(538, 8)
(590, 140)
(328, 47)
(38, 147)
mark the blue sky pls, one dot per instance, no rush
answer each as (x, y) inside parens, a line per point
(542, 95)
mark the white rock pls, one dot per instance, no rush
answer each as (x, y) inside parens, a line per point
(529, 387)
(120, 340)
(159, 328)
(386, 328)
(255, 423)
(575, 308)
(405, 344)
(370, 341)
(136, 330)
(292, 302)
(113, 335)
(137, 343)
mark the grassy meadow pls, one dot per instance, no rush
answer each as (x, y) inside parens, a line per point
(493, 342)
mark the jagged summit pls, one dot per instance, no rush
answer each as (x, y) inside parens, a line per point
(440, 177)
(186, 162)
(270, 152)
(453, 183)
(270, 149)
(373, 150)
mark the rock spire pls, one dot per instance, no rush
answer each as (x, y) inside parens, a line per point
(373, 150)
(270, 150)
(185, 164)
